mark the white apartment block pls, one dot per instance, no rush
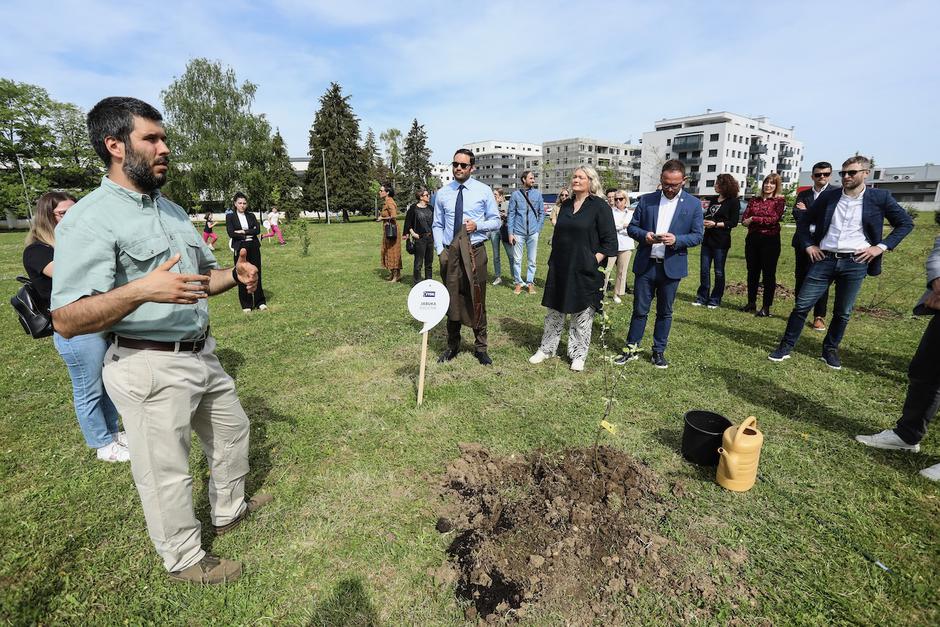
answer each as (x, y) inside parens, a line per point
(561, 157)
(444, 172)
(500, 163)
(715, 143)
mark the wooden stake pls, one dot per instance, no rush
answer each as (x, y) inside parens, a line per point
(424, 360)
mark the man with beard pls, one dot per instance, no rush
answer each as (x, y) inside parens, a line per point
(129, 262)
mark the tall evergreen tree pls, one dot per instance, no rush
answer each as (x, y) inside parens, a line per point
(335, 132)
(286, 189)
(219, 145)
(370, 152)
(416, 166)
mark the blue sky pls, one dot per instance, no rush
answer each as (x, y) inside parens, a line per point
(856, 76)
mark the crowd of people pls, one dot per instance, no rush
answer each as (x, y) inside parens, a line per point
(126, 278)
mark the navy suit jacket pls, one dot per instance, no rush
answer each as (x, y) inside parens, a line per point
(805, 197)
(877, 204)
(686, 225)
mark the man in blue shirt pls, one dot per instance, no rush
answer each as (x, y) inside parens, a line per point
(464, 211)
(525, 218)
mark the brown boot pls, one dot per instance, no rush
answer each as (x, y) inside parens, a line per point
(396, 276)
(210, 570)
(819, 324)
(257, 502)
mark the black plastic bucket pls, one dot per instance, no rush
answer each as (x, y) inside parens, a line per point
(701, 437)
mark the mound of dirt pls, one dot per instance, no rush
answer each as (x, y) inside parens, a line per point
(740, 289)
(567, 532)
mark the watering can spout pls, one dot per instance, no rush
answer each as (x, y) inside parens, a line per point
(728, 459)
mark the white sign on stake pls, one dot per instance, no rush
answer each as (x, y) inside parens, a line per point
(427, 302)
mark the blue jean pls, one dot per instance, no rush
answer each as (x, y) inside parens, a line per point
(847, 274)
(650, 282)
(718, 256)
(531, 243)
(495, 241)
(83, 356)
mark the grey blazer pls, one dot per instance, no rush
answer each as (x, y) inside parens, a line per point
(933, 272)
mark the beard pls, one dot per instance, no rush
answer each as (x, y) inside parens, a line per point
(140, 171)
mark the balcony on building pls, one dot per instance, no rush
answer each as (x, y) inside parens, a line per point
(692, 161)
(758, 148)
(685, 143)
(787, 152)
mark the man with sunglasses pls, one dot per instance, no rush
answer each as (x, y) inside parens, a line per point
(464, 211)
(822, 172)
(846, 245)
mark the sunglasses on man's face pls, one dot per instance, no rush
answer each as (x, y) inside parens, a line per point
(819, 175)
(457, 164)
(845, 173)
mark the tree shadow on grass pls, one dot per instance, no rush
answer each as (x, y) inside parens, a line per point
(671, 438)
(348, 605)
(524, 334)
(32, 606)
(883, 365)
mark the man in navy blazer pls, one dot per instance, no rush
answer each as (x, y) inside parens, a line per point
(666, 224)
(846, 245)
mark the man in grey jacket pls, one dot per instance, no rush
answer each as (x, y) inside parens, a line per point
(923, 390)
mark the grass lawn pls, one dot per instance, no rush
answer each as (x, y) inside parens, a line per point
(328, 377)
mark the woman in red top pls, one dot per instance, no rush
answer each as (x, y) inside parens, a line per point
(762, 245)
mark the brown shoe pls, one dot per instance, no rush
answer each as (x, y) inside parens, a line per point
(209, 570)
(531, 288)
(517, 289)
(257, 502)
(819, 324)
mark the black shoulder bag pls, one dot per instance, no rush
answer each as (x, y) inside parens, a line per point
(36, 321)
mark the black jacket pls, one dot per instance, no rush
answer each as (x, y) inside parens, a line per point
(232, 224)
(805, 197)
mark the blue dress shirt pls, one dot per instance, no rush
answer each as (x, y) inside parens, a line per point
(478, 205)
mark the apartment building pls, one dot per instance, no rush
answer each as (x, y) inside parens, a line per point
(715, 143)
(560, 157)
(500, 163)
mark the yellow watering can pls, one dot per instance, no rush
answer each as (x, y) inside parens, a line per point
(739, 454)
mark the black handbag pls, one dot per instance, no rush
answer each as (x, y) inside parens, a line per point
(36, 321)
(410, 246)
(504, 232)
(390, 231)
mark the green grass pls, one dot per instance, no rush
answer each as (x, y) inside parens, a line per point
(328, 377)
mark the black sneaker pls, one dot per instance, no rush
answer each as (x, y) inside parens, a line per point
(780, 354)
(631, 352)
(831, 357)
(659, 361)
(447, 355)
(748, 308)
(483, 358)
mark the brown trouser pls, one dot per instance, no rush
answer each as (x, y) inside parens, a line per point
(460, 277)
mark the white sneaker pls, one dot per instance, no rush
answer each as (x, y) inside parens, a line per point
(120, 437)
(262, 306)
(114, 452)
(887, 439)
(498, 281)
(246, 310)
(538, 357)
(932, 472)
(617, 300)
(577, 365)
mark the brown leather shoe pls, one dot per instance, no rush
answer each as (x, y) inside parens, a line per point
(257, 502)
(209, 570)
(517, 289)
(531, 288)
(819, 324)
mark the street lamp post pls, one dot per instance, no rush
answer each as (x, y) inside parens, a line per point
(326, 190)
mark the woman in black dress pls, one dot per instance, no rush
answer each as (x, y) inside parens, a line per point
(720, 217)
(242, 227)
(584, 235)
(418, 228)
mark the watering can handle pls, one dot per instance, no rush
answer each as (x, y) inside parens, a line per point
(750, 421)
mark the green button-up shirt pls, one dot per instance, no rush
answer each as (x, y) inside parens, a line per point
(113, 236)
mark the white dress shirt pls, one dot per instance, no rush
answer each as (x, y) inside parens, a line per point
(243, 222)
(845, 234)
(667, 209)
(621, 222)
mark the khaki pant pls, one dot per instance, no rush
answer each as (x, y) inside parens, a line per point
(162, 397)
(623, 266)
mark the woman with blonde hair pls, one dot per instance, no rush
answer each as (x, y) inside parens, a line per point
(623, 214)
(83, 354)
(762, 245)
(584, 235)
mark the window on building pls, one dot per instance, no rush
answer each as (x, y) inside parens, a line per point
(697, 153)
(712, 168)
(713, 137)
(683, 155)
(590, 160)
(669, 142)
(713, 153)
(709, 182)
(694, 168)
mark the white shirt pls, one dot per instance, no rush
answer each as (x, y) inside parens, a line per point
(273, 217)
(621, 222)
(845, 234)
(667, 209)
(243, 221)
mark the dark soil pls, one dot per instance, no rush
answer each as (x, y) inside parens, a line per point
(557, 533)
(879, 313)
(740, 289)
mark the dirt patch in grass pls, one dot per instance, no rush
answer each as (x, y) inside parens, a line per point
(740, 289)
(562, 533)
(878, 313)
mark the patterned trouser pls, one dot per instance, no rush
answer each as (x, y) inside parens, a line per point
(579, 332)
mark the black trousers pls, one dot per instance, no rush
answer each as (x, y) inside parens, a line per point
(803, 263)
(761, 252)
(250, 301)
(923, 387)
(424, 254)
